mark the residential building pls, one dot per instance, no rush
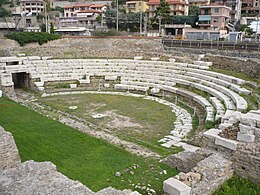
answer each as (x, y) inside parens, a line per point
(214, 16)
(235, 5)
(82, 15)
(32, 7)
(199, 2)
(247, 20)
(136, 6)
(250, 7)
(72, 31)
(177, 7)
(208, 34)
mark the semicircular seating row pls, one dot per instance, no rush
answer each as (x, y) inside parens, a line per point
(223, 90)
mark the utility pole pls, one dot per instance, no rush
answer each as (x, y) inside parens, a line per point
(257, 22)
(141, 17)
(160, 25)
(46, 17)
(117, 15)
(145, 25)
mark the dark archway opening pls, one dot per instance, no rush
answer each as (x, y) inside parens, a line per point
(21, 80)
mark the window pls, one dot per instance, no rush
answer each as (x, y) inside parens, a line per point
(215, 19)
(216, 10)
(256, 4)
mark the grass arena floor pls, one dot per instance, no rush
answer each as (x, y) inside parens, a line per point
(130, 118)
(92, 161)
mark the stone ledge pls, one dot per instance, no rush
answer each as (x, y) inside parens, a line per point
(226, 143)
(245, 137)
(173, 186)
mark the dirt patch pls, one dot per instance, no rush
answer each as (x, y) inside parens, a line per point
(114, 120)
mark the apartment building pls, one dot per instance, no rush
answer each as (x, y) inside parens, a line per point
(199, 2)
(32, 7)
(177, 7)
(82, 15)
(250, 7)
(235, 5)
(136, 6)
(215, 17)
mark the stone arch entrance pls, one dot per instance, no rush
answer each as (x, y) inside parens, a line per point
(21, 79)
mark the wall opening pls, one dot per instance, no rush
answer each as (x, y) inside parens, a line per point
(21, 80)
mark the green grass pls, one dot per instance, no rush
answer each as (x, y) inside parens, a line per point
(238, 186)
(77, 155)
(154, 119)
(235, 74)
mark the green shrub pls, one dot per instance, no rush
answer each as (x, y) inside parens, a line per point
(30, 37)
(102, 33)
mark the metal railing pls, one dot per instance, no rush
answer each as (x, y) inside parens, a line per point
(219, 45)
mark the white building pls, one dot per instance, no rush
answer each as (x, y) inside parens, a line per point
(32, 7)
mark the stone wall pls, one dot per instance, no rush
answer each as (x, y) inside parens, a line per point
(9, 156)
(94, 48)
(246, 161)
(88, 47)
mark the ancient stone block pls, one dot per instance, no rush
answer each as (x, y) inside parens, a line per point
(73, 86)
(172, 60)
(9, 156)
(155, 59)
(245, 137)
(244, 129)
(227, 143)
(106, 85)
(173, 186)
(138, 57)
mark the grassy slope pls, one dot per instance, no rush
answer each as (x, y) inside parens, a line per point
(157, 119)
(77, 155)
(238, 186)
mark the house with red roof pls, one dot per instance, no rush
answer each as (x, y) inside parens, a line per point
(84, 15)
(177, 7)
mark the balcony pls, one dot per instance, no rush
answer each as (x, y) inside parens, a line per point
(206, 24)
(204, 18)
(131, 6)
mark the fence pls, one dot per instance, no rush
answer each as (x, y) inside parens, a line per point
(220, 45)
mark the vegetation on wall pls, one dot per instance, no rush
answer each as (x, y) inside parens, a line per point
(29, 37)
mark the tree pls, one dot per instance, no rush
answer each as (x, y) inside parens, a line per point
(191, 20)
(194, 10)
(163, 11)
(43, 27)
(51, 28)
(2, 2)
(4, 13)
(245, 28)
(113, 4)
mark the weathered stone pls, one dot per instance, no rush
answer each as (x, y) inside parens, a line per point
(9, 155)
(173, 186)
(245, 137)
(227, 143)
(244, 129)
(73, 86)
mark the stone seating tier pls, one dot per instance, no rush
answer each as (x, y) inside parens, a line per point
(144, 73)
(234, 98)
